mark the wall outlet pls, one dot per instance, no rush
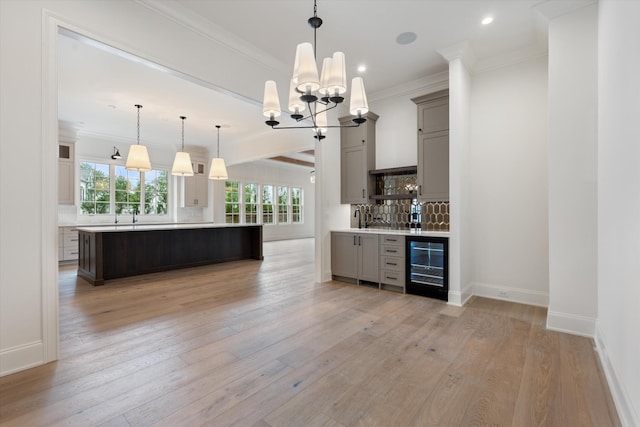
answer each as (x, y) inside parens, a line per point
(503, 294)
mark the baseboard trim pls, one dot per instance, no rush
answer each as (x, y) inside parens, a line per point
(521, 296)
(626, 412)
(22, 357)
(571, 324)
(460, 298)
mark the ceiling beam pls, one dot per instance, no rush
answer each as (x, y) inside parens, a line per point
(293, 161)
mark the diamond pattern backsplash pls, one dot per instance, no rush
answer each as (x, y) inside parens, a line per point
(402, 213)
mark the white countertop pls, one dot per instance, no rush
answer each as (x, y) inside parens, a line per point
(402, 232)
(150, 227)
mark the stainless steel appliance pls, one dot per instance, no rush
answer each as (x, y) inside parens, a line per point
(427, 266)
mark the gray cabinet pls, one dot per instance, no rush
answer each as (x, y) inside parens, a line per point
(66, 176)
(433, 146)
(357, 157)
(392, 261)
(196, 187)
(67, 244)
(355, 256)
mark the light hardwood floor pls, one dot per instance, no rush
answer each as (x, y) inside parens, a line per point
(254, 343)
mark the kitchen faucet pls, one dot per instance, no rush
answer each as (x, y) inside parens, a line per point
(135, 210)
(359, 215)
(116, 218)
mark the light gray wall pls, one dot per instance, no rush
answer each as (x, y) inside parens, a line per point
(618, 266)
(572, 163)
(508, 178)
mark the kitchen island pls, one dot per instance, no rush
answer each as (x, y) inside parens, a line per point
(111, 252)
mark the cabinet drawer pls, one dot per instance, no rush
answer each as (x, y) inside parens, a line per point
(392, 240)
(392, 278)
(70, 240)
(392, 250)
(391, 263)
(70, 253)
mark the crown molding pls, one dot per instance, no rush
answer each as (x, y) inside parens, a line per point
(460, 51)
(175, 12)
(426, 84)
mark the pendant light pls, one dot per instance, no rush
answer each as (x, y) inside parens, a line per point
(116, 154)
(218, 169)
(313, 93)
(138, 158)
(182, 163)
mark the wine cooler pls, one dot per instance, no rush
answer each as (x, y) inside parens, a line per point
(427, 266)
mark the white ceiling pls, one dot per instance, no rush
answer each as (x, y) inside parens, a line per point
(99, 86)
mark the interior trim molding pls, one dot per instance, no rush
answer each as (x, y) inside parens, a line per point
(571, 324)
(505, 293)
(626, 412)
(21, 357)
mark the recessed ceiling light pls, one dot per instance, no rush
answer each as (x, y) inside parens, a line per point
(406, 38)
(362, 68)
(488, 20)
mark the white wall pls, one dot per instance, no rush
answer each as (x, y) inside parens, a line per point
(572, 171)
(28, 225)
(508, 178)
(270, 172)
(617, 333)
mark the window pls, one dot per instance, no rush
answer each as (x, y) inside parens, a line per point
(251, 203)
(232, 202)
(100, 194)
(267, 204)
(95, 182)
(155, 192)
(296, 205)
(283, 204)
(127, 191)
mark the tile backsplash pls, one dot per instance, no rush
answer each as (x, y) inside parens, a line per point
(406, 213)
(401, 212)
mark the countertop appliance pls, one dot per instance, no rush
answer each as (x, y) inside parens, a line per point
(427, 266)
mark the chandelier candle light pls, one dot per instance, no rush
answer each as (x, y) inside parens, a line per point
(305, 83)
(182, 163)
(218, 169)
(138, 158)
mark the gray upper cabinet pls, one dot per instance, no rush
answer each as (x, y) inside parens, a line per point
(357, 157)
(433, 146)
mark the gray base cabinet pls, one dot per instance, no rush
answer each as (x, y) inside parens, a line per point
(355, 256)
(392, 261)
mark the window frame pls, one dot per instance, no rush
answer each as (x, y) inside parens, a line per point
(112, 190)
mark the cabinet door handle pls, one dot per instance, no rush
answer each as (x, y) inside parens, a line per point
(393, 251)
(392, 263)
(363, 193)
(363, 141)
(359, 241)
(354, 240)
(420, 189)
(392, 278)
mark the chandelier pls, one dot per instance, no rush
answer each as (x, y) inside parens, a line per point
(315, 94)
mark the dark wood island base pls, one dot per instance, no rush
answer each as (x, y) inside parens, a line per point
(120, 251)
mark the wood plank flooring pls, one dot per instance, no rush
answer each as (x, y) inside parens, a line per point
(258, 343)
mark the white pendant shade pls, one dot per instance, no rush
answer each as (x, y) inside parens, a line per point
(296, 61)
(324, 76)
(182, 164)
(138, 159)
(271, 103)
(295, 104)
(358, 104)
(338, 76)
(321, 122)
(218, 169)
(307, 69)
